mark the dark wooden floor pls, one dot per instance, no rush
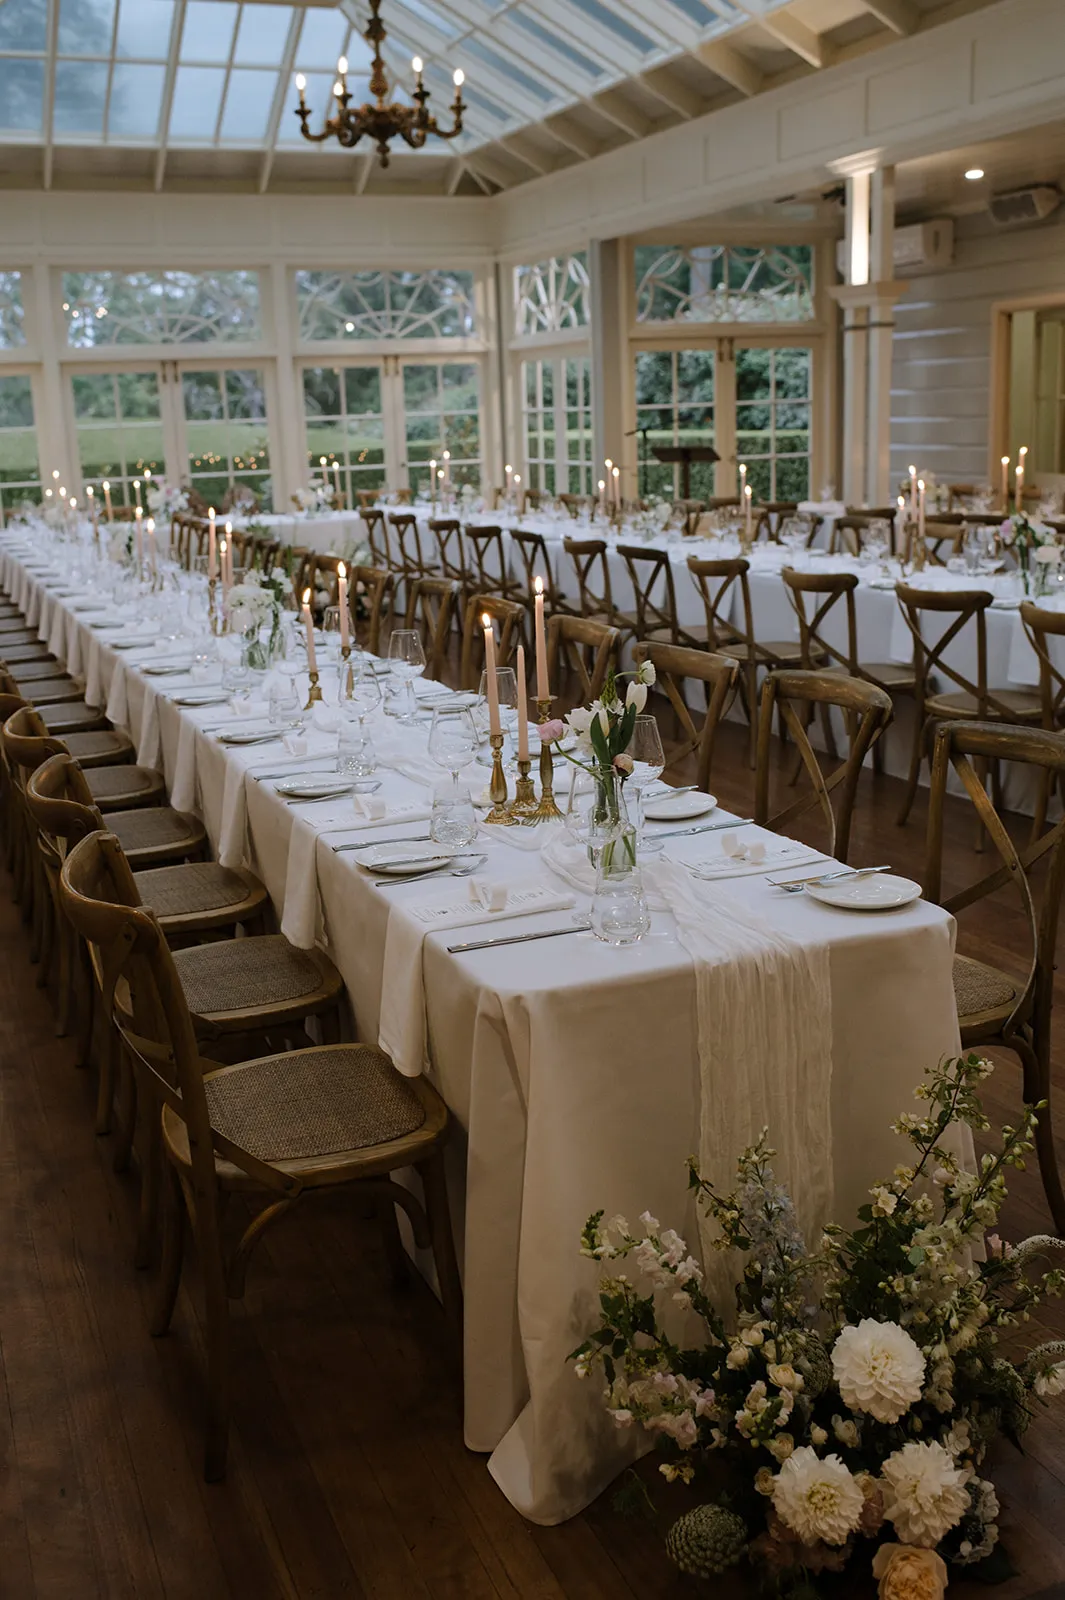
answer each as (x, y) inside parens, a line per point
(348, 1474)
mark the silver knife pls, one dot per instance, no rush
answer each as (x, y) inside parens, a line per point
(368, 844)
(518, 938)
(702, 827)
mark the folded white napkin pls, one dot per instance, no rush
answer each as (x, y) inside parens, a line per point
(778, 857)
(402, 1032)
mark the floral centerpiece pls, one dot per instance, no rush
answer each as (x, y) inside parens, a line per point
(310, 501)
(1035, 546)
(166, 499)
(250, 605)
(850, 1398)
(601, 734)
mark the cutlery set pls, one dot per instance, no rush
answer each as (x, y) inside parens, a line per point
(822, 880)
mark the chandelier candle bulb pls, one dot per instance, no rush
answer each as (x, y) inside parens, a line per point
(540, 640)
(301, 84)
(107, 500)
(491, 683)
(342, 601)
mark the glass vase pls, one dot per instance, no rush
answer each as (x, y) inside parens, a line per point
(253, 651)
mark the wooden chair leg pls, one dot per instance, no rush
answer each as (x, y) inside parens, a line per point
(916, 756)
(122, 1069)
(65, 1008)
(216, 1305)
(398, 1260)
(151, 1173)
(172, 1205)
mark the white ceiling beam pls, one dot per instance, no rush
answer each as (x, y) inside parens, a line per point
(365, 166)
(612, 105)
(901, 16)
(668, 88)
(49, 93)
(572, 136)
(587, 37)
(727, 62)
(479, 161)
(176, 30)
(813, 47)
(526, 151)
(281, 93)
(454, 177)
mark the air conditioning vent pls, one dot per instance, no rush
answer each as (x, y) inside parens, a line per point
(922, 244)
(1033, 204)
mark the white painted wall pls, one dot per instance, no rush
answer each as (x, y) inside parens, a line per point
(941, 372)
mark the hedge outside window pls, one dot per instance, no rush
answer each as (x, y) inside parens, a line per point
(225, 422)
(345, 423)
(119, 429)
(385, 304)
(441, 404)
(773, 421)
(109, 308)
(20, 473)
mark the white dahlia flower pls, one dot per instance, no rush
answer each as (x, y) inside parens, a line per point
(878, 1368)
(817, 1499)
(925, 1494)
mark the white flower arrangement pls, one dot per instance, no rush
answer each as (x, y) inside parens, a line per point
(166, 499)
(857, 1389)
(250, 603)
(310, 501)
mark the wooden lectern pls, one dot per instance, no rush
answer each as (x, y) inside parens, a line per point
(685, 454)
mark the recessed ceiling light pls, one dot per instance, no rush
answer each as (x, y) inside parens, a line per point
(974, 174)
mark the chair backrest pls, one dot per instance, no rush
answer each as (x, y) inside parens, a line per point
(770, 515)
(532, 551)
(717, 582)
(867, 710)
(585, 649)
(447, 531)
(958, 744)
(573, 503)
(432, 608)
(56, 808)
(593, 575)
(509, 614)
(944, 538)
(404, 525)
(486, 557)
(673, 665)
(532, 499)
(366, 498)
(846, 536)
(374, 522)
(959, 493)
(691, 511)
(1040, 624)
(956, 609)
(651, 575)
(834, 587)
(722, 502)
(368, 590)
(327, 578)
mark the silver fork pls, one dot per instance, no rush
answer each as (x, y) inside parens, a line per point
(432, 872)
(799, 884)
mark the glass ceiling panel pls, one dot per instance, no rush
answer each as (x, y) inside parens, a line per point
(197, 93)
(322, 39)
(319, 94)
(23, 24)
(263, 35)
(606, 18)
(575, 58)
(208, 31)
(144, 29)
(80, 93)
(249, 100)
(21, 96)
(509, 69)
(86, 27)
(435, 19)
(136, 101)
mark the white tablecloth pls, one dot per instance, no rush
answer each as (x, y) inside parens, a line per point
(570, 1068)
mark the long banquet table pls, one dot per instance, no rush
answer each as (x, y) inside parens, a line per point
(571, 1068)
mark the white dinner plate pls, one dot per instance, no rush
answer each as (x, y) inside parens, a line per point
(206, 697)
(400, 859)
(138, 642)
(678, 808)
(249, 736)
(315, 788)
(164, 669)
(881, 891)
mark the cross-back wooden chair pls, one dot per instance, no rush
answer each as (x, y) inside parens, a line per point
(366, 498)
(995, 1007)
(535, 558)
(593, 578)
(272, 1128)
(794, 695)
(65, 715)
(846, 535)
(726, 595)
(584, 651)
(1042, 626)
(415, 559)
(943, 538)
(958, 494)
(814, 596)
(532, 499)
(433, 608)
(118, 788)
(451, 552)
(691, 511)
(674, 665)
(509, 615)
(370, 599)
(326, 577)
(374, 522)
(770, 515)
(655, 617)
(574, 502)
(487, 559)
(954, 611)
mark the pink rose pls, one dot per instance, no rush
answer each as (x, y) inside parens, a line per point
(906, 1573)
(550, 731)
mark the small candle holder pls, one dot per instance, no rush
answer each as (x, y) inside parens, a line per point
(315, 692)
(524, 803)
(547, 810)
(497, 785)
(212, 606)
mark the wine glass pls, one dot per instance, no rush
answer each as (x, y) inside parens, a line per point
(406, 656)
(648, 764)
(507, 690)
(360, 689)
(453, 740)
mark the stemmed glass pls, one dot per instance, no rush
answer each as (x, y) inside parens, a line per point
(360, 696)
(507, 690)
(453, 740)
(648, 764)
(406, 656)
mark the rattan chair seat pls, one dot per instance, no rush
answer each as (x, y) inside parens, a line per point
(115, 787)
(28, 672)
(1023, 705)
(17, 636)
(312, 1103)
(979, 988)
(14, 655)
(194, 889)
(57, 690)
(156, 828)
(69, 718)
(100, 748)
(261, 974)
(773, 649)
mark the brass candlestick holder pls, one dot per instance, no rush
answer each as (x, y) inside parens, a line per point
(547, 810)
(524, 803)
(315, 691)
(497, 784)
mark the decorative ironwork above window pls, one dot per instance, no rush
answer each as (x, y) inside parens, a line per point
(724, 283)
(12, 320)
(552, 295)
(108, 308)
(386, 304)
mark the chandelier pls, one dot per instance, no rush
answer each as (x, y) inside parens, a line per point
(385, 119)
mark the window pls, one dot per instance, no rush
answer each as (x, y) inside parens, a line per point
(12, 322)
(552, 295)
(441, 404)
(675, 405)
(579, 474)
(773, 421)
(20, 473)
(345, 422)
(225, 422)
(119, 428)
(436, 304)
(109, 308)
(538, 412)
(724, 283)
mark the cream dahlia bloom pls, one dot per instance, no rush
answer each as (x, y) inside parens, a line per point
(878, 1368)
(925, 1494)
(817, 1499)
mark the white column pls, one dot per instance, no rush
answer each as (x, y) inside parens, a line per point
(609, 345)
(55, 447)
(881, 339)
(289, 468)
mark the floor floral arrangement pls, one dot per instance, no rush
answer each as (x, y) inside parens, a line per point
(848, 1403)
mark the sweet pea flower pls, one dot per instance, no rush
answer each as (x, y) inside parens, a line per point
(552, 730)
